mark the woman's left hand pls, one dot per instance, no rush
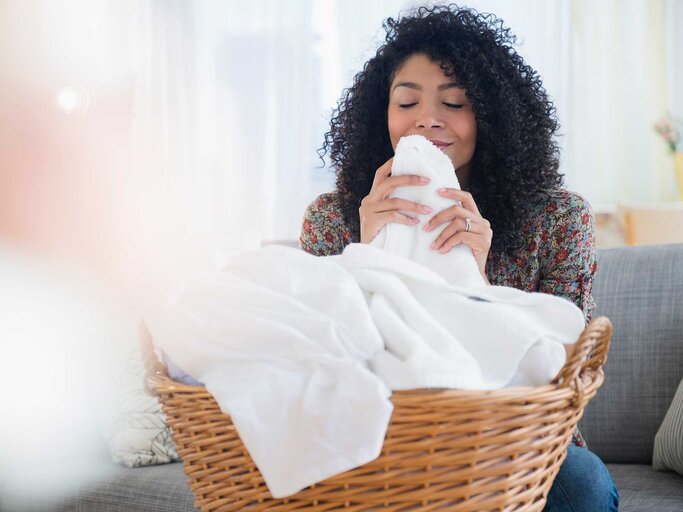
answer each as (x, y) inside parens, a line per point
(479, 235)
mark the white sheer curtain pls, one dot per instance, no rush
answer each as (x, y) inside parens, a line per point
(619, 88)
(226, 100)
(673, 19)
(232, 98)
(237, 96)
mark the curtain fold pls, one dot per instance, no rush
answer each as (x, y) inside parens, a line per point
(233, 98)
(618, 90)
(224, 102)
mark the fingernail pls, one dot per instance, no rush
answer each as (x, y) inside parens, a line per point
(443, 250)
(426, 209)
(415, 221)
(442, 189)
(427, 227)
(433, 246)
(424, 179)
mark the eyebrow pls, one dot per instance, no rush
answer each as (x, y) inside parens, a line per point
(418, 87)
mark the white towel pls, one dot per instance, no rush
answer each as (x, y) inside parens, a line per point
(301, 351)
(416, 155)
(451, 336)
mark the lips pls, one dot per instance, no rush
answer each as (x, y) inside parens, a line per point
(440, 144)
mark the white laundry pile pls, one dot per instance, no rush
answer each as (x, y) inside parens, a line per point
(303, 352)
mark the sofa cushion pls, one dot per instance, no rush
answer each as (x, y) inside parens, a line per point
(162, 488)
(668, 451)
(641, 488)
(641, 290)
(165, 489)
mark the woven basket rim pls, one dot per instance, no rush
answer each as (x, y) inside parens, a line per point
(442, 446)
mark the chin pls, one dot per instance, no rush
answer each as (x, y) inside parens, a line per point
(456, 163)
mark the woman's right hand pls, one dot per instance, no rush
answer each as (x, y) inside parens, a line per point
(377, 209)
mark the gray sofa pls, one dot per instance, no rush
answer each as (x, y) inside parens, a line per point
(641, 291)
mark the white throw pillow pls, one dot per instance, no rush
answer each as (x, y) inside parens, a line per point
(668, 449)
(139, 435)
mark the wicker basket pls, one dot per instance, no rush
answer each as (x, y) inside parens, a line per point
(444, 449)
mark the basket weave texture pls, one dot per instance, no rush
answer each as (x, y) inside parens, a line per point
(444, 449)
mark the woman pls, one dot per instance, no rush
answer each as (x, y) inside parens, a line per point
(451, 75)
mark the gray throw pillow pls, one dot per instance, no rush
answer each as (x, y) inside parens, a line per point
(668, 449)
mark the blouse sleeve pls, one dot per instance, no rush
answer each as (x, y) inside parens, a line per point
(324, 232)
(568, 261)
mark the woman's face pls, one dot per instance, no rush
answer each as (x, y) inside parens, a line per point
(424, 101)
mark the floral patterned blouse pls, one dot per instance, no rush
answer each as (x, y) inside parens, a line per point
(558, 254)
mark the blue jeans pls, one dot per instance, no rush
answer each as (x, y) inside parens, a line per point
(583, 484)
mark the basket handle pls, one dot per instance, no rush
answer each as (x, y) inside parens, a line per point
(154, 369)
(590, 354)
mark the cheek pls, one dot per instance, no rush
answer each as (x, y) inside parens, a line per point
(398, 125)
(473, 136)
(469, 131)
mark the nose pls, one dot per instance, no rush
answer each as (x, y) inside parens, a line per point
(428, 117)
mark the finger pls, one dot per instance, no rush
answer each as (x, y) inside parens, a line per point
(483, 234)
(396, 203)
(446, 234)
(456, 239)
(446, 215)
(398, 217)
(381, 189)
(383, 172)
(455, 212)
(460, 195)
(469, 239)
(474, 241)
(393, 182)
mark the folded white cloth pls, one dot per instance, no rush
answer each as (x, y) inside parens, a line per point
(301, 351)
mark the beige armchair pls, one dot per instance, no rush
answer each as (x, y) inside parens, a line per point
(652, 223)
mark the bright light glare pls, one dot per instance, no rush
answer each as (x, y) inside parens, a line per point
(59, 346)
(73, 99)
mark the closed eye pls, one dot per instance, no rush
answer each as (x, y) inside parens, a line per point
(455, 106)
(406, 105)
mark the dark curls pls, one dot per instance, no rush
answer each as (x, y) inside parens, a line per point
(515, 162)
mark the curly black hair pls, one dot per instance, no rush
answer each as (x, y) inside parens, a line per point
(516, 159)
